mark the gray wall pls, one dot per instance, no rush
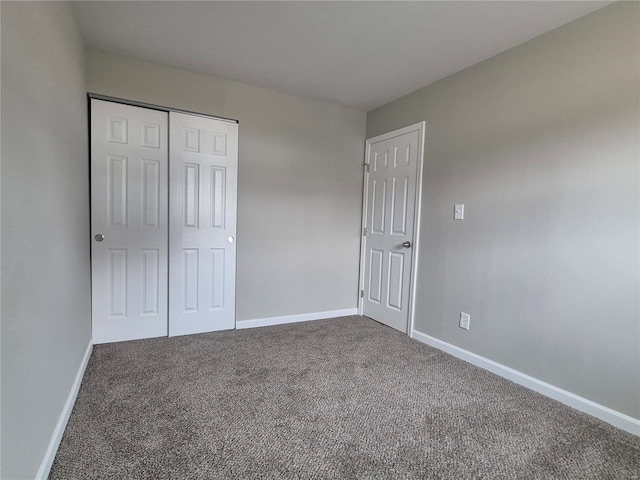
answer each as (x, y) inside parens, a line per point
(541, 144)
(299, 187)
(46, 324)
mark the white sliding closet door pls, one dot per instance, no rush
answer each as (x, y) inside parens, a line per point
(129, 221)
(203, 193)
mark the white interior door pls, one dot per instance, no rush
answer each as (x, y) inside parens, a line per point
(390, 206)
(129, 222)
(204, 164)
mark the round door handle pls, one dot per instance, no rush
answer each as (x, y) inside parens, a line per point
(99, 237)
(407, 244)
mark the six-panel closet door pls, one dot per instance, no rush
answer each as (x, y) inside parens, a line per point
(202, 231)
(163, 222)
(129, 221)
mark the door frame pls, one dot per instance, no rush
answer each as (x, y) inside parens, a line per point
(420, 127)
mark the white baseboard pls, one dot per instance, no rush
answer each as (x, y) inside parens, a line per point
(617, 419)
(305, 317)
(54, 443)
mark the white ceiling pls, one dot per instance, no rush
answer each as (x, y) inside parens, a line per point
(357, 54)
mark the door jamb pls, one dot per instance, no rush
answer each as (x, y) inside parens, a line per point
(420, 127)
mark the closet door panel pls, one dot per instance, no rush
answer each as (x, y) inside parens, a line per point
(129, 222)
(202, 231)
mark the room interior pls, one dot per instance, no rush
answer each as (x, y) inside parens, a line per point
(531, 121)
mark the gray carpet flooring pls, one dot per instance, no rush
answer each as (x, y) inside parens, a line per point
(336, 398)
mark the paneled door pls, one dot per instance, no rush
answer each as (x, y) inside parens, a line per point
(388, 230)
(203, 194)
(129, 221)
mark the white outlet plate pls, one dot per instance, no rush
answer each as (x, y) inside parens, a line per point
(465, 319)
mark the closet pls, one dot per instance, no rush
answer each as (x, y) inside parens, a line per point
(163, 222)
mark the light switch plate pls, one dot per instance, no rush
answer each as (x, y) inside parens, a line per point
(458, 212)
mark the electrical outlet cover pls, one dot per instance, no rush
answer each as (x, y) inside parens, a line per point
(465, 319)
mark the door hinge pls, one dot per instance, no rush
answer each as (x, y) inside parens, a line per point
(364, 231)
(366, 166)
(361, 293)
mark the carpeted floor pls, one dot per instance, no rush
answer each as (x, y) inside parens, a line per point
(337, 398)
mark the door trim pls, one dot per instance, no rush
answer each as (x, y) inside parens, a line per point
(420, 127)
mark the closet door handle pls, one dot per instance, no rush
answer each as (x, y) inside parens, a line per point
(99, 237)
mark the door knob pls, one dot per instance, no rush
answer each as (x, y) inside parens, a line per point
(99, 237)
(407, 244)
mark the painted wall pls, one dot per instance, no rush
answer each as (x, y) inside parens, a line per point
(299, 182)
(46, 324)
(541, 143)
